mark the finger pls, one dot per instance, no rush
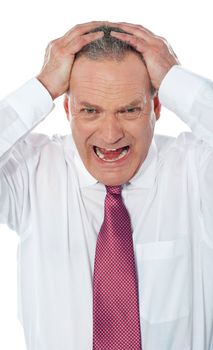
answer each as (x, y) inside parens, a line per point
(77, 43)
(80, 29)
(62, 44)
(139, 44)
(80, 25)
(139, 26)
(139, 32)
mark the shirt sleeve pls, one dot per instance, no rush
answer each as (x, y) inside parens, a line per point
(20, 112)
(190, 97)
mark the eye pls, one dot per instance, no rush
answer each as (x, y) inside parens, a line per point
(132, 109)
(130, 113)
(89, 110)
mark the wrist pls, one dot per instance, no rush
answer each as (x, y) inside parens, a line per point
(47, 87)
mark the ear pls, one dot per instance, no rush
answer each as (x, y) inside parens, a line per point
(66, 106)
(157, 107)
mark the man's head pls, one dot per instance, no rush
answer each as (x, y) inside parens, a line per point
(112, 108)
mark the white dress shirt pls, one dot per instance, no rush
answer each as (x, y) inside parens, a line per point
(56, 207)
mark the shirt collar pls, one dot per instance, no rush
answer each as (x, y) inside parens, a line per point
(144, 178)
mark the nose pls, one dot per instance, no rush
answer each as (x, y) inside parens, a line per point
(110, 130)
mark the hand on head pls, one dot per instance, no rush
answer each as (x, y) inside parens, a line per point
(60, 53)
(157, 53)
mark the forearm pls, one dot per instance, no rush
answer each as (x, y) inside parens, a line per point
(190, 97)
(21, 111)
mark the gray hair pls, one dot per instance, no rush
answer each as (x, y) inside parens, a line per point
(109, 48)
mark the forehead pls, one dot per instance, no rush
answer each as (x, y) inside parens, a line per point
(109, 78)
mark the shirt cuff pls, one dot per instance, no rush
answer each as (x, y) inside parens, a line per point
(179, 89)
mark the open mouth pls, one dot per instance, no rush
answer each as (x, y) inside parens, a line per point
(110, 155)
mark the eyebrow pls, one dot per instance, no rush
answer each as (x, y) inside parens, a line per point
(132, 103)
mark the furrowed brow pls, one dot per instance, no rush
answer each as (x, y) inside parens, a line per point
(131, 104)
(88, 104)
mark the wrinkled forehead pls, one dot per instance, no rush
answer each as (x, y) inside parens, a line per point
(109, 79)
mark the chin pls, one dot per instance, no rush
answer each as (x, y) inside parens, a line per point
(112, 181)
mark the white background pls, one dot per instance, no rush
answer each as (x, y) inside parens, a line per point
(27, 26)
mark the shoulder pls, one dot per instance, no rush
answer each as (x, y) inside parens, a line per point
(40, 148)
(186, 145)
(185, 141)
(40, 142)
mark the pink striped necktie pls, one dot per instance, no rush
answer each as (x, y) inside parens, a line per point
(116, 322)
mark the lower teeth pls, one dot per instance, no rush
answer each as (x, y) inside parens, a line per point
(101, 155)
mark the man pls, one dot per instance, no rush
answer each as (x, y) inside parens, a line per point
(53, 192)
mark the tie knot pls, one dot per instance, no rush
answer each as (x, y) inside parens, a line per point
(114, 189)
